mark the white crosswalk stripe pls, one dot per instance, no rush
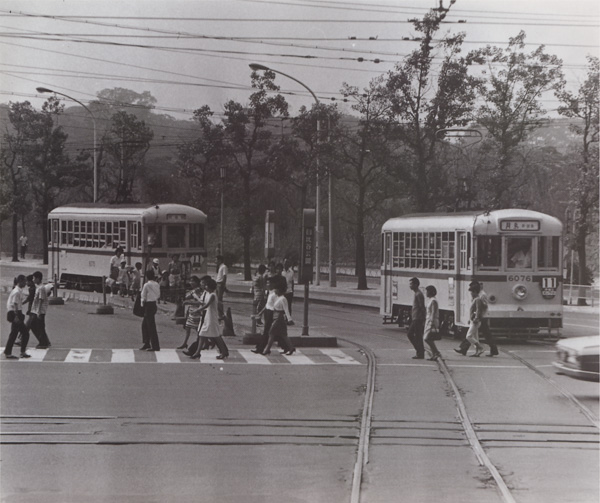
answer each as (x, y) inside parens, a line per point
(237, 356)
(78, 356)
(122, 356)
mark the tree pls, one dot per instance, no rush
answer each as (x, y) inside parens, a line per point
(583, 187)
(511, 110)
(126, 143)
(363, 154)
(249, 140)
(422, 102)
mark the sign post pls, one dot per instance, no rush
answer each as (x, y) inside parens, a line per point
(270, 234)
(305, 273)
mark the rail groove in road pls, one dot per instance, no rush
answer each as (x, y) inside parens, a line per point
(312, 356)
(584, 410)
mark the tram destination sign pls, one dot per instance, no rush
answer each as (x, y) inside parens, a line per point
(519, 225)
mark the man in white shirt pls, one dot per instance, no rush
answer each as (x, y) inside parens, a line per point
(221, 284)
(14, 310)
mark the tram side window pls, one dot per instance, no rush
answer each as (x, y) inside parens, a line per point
(155, 236)
(518, 253)
(175, 236)
(489, 252)
(548, 252)
(448, 250)
(197, 236)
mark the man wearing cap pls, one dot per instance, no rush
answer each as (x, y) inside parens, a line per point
(14, 313)
(490, 340)
(155, 266)
(417, 321)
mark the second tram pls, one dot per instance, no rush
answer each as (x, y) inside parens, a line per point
(514, 254)
(82, 238)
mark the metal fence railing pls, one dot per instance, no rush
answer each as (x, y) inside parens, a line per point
(577, 295)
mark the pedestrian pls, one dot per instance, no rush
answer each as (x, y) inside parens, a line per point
(258, 291)
(221, 280)
(136, 279)
(476, 312)
(288, 274)
(155, 266)
(115, 262)
(193, 300)
(16, 318)
(281, 319)
(39, 309)
(267, 313)
(30, 289)
(417, 320)
(210, 327)
(122, 284)
(174, 269)
(149, 299)
(432, 322)
(484, 327)
(164, 286)
(23, 244)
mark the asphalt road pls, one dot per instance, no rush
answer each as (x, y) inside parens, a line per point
(100, 421)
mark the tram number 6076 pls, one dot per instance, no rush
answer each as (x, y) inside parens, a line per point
(519, 277)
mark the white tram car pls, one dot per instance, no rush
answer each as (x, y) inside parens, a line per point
(514, 254)
(82, 238)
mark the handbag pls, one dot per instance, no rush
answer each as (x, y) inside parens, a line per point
(138, 309)
(435, 334)
(10, 316)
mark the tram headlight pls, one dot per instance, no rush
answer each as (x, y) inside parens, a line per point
(519, 292)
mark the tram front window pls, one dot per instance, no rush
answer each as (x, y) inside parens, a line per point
(489, 252)
(519, 253)
(175, 236)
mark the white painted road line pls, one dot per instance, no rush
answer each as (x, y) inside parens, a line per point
(78, 356)
(299, 359)
(122, 356)
(254, 358)
(338, 356)
(37, 355)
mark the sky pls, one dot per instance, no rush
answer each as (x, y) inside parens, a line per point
(190, 53)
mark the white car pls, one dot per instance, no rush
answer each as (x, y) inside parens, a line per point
(579, 357)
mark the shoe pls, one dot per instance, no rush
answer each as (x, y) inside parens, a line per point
(187, 353)
(221, 357)
(256, 351)
(195, 357)
(477, 353)
(145, 347)
(10, 357)
(25, 355)
(152, 349)
(40, 346)
(290, 352)
(492, 354)
(183, 346)
(460, 352)
(418, 357)
(433, 358)
(259, 323)
(265, 353)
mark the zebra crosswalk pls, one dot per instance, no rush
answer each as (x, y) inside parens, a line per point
(307, 356)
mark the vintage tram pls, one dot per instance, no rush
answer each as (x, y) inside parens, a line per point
(515, 255)
(82, 237)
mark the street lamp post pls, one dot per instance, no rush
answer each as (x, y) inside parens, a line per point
(332, 276)
(46, 90)
(222, 207)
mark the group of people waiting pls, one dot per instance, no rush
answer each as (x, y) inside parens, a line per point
(27, 291)
(425, 323)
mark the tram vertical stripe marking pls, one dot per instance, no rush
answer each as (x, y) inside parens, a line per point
(78, 356)
(299, 359)
(338, 356)
(167, 356)
(254, 358)
(122, 356)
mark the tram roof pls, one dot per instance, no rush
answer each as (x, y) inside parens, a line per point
(481, 222)
(150, 211)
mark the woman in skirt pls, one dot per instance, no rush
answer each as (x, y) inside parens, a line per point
(210, 327)
(281, 319)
